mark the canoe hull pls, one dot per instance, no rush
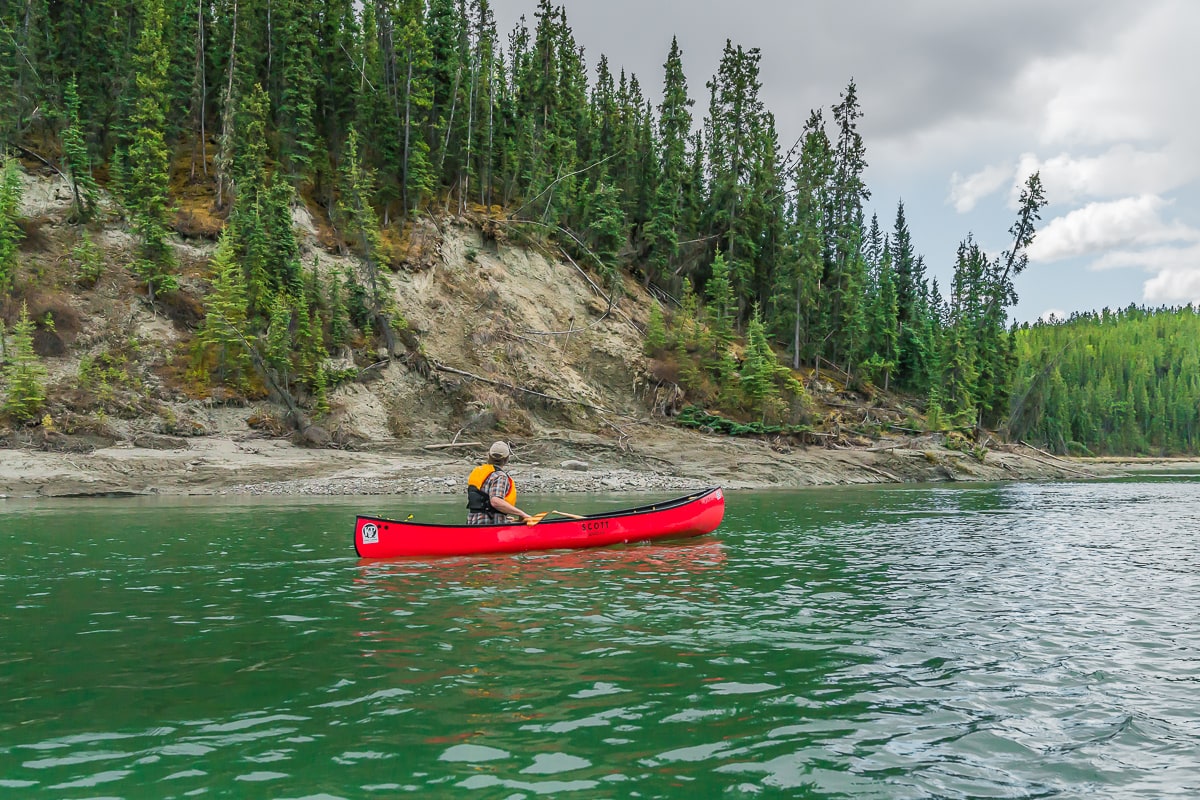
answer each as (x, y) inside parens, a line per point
(692, 515)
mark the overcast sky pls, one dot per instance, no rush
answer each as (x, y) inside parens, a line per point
(962, 101)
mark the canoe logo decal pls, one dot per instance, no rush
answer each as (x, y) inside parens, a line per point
(370, 533)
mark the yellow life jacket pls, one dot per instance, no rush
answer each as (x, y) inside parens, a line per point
(477, 500)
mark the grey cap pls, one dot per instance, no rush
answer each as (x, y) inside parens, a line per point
(499, 450)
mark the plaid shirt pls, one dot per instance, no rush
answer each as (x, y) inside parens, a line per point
(494, 485)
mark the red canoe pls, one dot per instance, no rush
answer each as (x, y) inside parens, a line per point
(692, 515)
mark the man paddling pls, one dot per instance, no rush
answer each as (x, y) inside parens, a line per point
(491, 493)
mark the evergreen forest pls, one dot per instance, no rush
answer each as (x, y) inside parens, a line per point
(378, 113)
(1111, 383)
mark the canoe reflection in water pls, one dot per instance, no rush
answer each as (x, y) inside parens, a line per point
(487, 650)
(482, 597)
(660, 559)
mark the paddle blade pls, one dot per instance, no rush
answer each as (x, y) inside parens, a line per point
(536, 518)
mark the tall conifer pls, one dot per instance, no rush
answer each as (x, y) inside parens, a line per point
(149, 155)
(11, 234)
(75, 154)
(226, 331)
(25, 375)
(674, 130)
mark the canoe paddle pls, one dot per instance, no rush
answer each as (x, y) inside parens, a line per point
(536, 518)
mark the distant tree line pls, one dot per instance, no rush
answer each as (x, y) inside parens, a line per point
(1113, 382)
(383, 110)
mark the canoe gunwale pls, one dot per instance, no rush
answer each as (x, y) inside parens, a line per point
(665, 505)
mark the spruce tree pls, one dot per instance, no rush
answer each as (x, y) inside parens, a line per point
(674, 129)
(10, 63)
(26, 64)
(225, 332)
(735, 133)
(309, 343)
(685, 323)
(284, 265)
(361, 228)
(88, 260)
(415, 89)
(296, 109)
(721, 315)
(10, 232)
(25, 376)
(280, 346)
(759, 367)
(339, 312)
(845, 278)
(75, 154)
(910, 278)
(375, 115)
(449, 73)
(606, 230)
(721, 307)
(883, 324)
(149, 157)
(799, 309)
(656, 331)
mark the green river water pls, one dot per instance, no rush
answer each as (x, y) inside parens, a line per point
(1023, 640)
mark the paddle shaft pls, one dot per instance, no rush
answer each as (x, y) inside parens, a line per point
(536, 518)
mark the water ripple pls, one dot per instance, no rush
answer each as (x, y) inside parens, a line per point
(1013, 641)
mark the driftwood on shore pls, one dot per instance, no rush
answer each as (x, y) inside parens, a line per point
(451, 444)
(882, 473)
(1057, 463)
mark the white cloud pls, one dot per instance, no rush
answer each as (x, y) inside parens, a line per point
(1129, 222)
(1176, 272)
(1176, 285)
(1121, 170)
(966, 192)
(1130, 85)
(1155, 259)
(1052, 315)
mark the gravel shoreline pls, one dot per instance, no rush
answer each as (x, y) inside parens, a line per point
(532, 483)
(668, 464)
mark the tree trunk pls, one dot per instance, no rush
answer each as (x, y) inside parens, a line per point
(407, 131)
(485, 184)
(796, 332)
(227, 115)
(449, 128)
(200, 84)
(466, 167)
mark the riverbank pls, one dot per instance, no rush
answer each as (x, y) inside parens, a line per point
(572, 387)
(645, 457)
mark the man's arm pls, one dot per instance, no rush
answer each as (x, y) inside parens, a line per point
(505, 507)
(501, 483)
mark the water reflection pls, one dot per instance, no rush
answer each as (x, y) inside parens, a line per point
(693, 555)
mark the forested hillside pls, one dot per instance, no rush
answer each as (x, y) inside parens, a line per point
(217, 119)
(1112, 383)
